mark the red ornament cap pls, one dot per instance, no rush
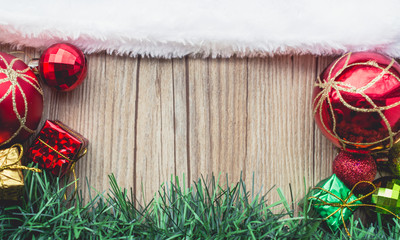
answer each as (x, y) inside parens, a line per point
(21, 100)
(357, 102)
(63, 66)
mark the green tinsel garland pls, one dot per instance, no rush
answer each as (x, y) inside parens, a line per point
(205, 210)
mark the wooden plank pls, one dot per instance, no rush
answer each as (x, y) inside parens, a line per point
(280, 129)
(199, 146)
(217, 117)
(155, 126)
(121, 78)
(228, 116)
(301, 131)
(180, 100)
(262, 130)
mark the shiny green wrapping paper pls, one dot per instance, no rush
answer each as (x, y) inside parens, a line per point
(334, 186)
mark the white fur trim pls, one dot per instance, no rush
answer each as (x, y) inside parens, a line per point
(175, 28)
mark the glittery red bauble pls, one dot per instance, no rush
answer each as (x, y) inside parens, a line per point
(357, 102)
(21, 100)
(63, 66)
(352, 168)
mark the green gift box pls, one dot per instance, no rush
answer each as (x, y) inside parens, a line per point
(388, 197)
(330, 198)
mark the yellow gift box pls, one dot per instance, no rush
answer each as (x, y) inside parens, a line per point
(11, 178)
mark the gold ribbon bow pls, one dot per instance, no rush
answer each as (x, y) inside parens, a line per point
(14, 165)
(345, 204)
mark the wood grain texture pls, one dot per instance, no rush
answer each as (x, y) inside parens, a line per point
(155, 125)
(324, 151)
(217, 117)
(280, 129)
(151, 119)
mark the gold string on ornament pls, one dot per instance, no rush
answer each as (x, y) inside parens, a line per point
(349, 205)
(328, 84)
(12, 76)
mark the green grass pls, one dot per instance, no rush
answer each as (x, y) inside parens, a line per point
(204, 210)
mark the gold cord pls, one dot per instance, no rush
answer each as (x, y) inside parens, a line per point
(13, 76)
(47, 145)
(75, 182)
(348, 205)
(15, 165)
(328, 84)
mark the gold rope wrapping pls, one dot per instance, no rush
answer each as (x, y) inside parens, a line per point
(12, 77)
(62, 155)
(330, 83)
(348, 205)
(14, 165)
(11, 190)
(75, 183)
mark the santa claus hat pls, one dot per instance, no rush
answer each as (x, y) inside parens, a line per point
(175, 28)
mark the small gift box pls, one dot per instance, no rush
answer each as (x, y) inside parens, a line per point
(387, 199)
(57, 147)
(333, 201)
(11, 179)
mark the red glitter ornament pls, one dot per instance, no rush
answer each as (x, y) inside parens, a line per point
(353, 168)
(21, 100)
(63, 66)
(357, 102)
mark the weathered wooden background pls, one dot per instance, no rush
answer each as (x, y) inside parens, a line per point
(148, 119)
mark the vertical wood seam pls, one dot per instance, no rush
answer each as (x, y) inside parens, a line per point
(160, 82)
(313, 126)
(136, 123)
(112, 115)
(207, 89)
(187, 120)
(103, 133)
(173, 109)
(292, 167)
(247, 120)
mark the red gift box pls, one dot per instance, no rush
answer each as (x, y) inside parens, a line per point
(57, 147)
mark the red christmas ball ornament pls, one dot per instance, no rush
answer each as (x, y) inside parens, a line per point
(21, 100)
(63, 66)
(353, 168)
(357, 102)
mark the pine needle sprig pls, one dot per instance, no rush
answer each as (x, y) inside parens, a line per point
(207, 209)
